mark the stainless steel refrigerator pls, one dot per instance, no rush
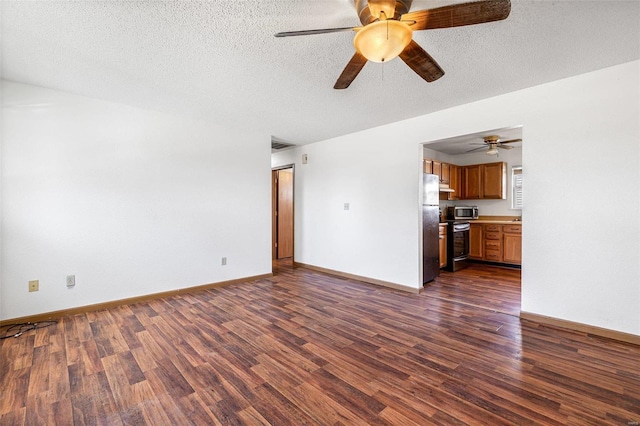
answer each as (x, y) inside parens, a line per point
(430, 223)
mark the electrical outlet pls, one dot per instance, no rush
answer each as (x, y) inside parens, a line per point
(346, 206)
(224, 261)
(34, 285)
(71, 281)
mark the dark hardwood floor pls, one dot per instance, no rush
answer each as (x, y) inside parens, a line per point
(308, 348)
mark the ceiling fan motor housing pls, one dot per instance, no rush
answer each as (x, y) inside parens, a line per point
(366, 17)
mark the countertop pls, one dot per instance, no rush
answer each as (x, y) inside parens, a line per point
(497, 222)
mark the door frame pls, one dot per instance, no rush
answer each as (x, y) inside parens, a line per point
(291, 166)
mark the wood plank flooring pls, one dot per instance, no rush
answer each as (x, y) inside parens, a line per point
(305, 348)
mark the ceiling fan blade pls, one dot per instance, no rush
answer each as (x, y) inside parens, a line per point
(504, 147)
(351, 71)
(511, 141)
(421, 62)
(312, 32)
(476, 149)
(458, 15)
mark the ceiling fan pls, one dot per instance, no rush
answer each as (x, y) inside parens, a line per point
(387, 31)
(494, 142)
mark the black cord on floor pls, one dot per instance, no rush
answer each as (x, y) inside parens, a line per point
(17, 330)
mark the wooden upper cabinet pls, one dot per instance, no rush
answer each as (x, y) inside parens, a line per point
(454, 182)
(485, 181)
(471, 181)
(437, 167)
(427, 166)
(494, 176)
(445, 173)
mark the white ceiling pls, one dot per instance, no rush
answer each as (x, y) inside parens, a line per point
(219, 61)
(461, 144)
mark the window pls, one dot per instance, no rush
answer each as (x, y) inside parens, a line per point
(516, 187)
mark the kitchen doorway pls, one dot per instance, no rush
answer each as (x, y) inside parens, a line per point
(282, 212)
(480, 178)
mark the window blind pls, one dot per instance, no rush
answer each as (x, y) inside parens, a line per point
(516, 184)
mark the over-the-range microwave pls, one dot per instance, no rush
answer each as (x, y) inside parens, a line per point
(462, 212)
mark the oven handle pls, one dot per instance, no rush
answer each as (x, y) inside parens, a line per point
(461, 227)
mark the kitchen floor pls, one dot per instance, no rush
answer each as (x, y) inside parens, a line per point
(481, 286)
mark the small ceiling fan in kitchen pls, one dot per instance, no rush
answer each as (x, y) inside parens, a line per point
(387, 31)
(492, 143)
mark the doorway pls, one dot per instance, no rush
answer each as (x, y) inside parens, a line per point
(282, 213)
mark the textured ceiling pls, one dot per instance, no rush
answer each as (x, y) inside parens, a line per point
(219, 61)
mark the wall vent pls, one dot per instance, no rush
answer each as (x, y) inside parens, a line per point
(276, 145)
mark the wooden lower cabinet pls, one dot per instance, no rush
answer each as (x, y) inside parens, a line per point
(496, 243)
(492, 242)
(476, 241)
(512, 244)
(443, 245)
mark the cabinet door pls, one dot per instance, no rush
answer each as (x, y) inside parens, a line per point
(444, 173)
(475, 241)
(428, 165)
(512, 248)
(437, 168)
(471, 182)
(494, 177)
(454, 182)
(443, 246)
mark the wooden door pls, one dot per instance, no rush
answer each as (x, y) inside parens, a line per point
(274, 214)
(284, 213)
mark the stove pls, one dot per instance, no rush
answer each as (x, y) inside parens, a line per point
(457, 245)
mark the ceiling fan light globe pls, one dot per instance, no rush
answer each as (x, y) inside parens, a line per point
(492, 151)
(382, 41)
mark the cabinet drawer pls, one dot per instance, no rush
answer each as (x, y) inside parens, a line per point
(492, 244)
(512, 229)
(492, 255)
(492, 228)
(492, 236)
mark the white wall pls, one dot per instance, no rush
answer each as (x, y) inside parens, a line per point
(581, 159)
(130, 201)
(377, 237)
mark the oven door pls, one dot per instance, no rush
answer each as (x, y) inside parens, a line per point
(458, 246)
(460, 241)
